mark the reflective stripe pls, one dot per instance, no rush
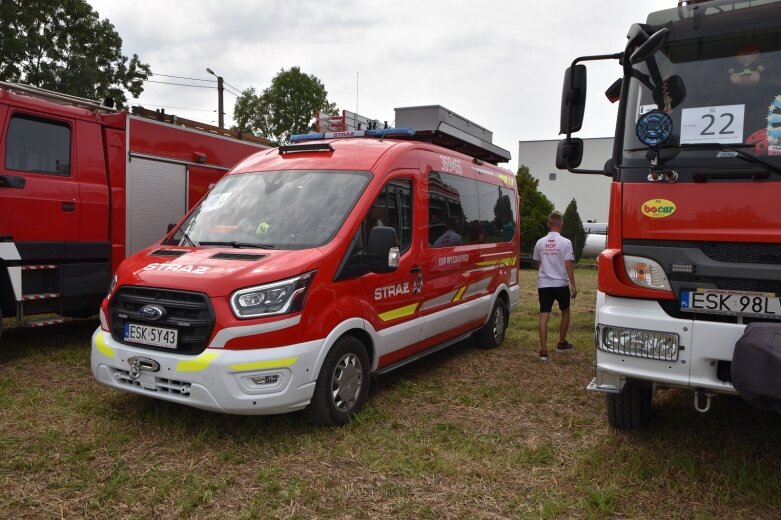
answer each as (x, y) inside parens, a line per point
(258, 365)
(100, 344)
(459, 294)
(409, 310)
(197, 364)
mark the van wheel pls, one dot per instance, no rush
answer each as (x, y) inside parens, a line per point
(630, 409)
(492, 334)
(342, 385)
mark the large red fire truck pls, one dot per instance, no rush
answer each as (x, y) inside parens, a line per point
(309, 267)
(82, 186)
(688, 291)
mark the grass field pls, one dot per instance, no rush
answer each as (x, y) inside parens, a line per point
(464, 433)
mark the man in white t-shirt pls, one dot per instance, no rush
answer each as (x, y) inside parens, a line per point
(556, 274)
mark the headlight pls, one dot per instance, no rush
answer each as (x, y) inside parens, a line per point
(271, 299)
(649, 344)
(646, 273)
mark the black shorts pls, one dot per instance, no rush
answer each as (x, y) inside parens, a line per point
(549, 294)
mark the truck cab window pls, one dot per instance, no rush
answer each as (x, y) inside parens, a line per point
(38, 145)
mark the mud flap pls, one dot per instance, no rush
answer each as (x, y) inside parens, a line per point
(756, 366)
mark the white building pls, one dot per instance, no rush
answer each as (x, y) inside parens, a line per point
(591, 192)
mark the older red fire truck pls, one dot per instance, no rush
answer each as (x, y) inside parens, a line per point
(82, 186)
(690, 281)
(311, 266)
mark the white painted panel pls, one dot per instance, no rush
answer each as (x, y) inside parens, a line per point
(156, 197)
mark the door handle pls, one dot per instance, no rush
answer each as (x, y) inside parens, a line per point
(12, 181)
(68, 206)
(415, 269)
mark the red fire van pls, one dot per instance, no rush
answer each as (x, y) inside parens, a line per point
(313, 265)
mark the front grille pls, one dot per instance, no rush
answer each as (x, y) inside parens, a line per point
(742, 284)
(189, 313)
(159, 385)
(743, 253)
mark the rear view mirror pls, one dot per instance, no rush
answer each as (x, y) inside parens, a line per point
(569, 153)
(650, 47)
(573, 99)
(381, 250)
(170, 227)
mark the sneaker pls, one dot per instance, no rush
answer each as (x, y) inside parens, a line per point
(543, 355)
(564, 346)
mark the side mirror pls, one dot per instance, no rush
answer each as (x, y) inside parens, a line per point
(573, 99)
(569, 153)
(650, 46)
(170, 227)
(381, 250)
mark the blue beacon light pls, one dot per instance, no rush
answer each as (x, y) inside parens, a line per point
(654, 128)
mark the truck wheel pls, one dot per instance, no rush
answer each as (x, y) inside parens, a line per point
(629, 409)
(492, 334)
(342, 385)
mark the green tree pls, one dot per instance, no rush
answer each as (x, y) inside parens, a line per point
(288, 106)
(63, 45)
(573, 229)
(535, 208)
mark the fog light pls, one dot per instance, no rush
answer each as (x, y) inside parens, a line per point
(265, 380)
(682, 268)
(648, 344)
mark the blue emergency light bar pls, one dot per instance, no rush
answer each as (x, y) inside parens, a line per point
(383, 132)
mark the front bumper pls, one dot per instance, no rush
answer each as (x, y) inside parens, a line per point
(217, 380)
(703, 344)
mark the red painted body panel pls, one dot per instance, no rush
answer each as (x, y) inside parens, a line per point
(330, 303)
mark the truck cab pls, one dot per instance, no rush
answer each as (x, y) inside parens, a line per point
(694, 233)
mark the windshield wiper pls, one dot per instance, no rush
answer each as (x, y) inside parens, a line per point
(239, 245)
(736, 149)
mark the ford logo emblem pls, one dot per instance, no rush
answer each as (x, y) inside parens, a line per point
(151, 312)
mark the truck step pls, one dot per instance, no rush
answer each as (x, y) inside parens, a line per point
(42, 267)
(43, 322)
(41, 296)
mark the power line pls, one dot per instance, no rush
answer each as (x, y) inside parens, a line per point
(231, 86)
(179, 84)
(183, 77)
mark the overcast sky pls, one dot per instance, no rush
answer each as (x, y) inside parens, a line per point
(497, 63)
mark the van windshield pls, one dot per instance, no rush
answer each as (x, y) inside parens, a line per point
(290, 209)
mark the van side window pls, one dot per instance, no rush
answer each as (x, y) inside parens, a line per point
(464, 211)
(392, 208)
(498, 214)
(38, 145)
(452, 210)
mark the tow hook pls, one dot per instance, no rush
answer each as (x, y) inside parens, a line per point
(698, 395)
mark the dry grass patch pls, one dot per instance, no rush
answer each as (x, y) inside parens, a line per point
(464, 433)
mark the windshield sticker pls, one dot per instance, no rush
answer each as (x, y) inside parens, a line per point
(720, 124)
(774, 127)
(658, 208)
(644, 109)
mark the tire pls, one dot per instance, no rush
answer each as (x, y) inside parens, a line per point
(342, 385)
(631, 408)
(492, 334)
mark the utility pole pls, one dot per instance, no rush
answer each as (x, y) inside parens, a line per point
(220, 120)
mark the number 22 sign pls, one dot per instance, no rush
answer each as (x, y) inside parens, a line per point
(721, 124)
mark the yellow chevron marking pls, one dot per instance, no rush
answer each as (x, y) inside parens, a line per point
(459, 294)
(100, 344)
(197, 364)
(402, 312)
(260, 365)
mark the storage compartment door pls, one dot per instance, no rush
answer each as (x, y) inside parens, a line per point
(157, 193)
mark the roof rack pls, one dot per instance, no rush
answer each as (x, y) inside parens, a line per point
(434, 124)
(49, 95)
